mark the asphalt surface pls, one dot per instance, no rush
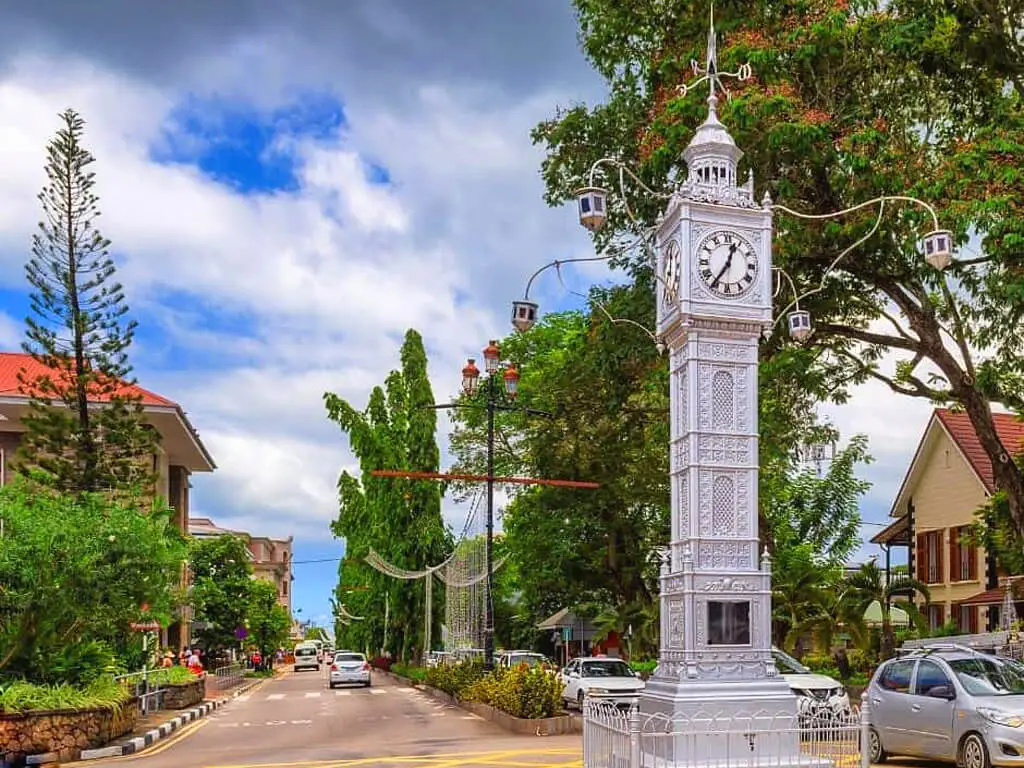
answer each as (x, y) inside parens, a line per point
(298, 721)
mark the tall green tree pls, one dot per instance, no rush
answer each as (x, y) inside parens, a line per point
(267, 620)
(850, 100)
(75, 571)
(398, 518)
(222, 587)
(869, 585)
(78, 331)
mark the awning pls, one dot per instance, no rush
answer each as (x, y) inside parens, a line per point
(988, 597)
(897, 532)
(897, 616)
(564, 618)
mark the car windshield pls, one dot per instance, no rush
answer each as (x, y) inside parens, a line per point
(606, 669)
(989, 676)
(349, 657)
(787, 665)
(529, 659)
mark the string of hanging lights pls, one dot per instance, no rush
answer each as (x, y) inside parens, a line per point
(593, 203)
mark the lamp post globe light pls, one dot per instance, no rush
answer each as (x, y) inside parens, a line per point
(496, 398)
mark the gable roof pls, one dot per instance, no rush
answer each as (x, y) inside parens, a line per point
(13, 362)
(957, 426)
(1009, 428)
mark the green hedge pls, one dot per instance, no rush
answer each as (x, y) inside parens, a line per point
(410, 672)
(454, 679)
(521, 692)
(20, 696)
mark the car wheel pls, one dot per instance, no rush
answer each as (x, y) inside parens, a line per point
(974, 753)
(331, 686)
(875, 751)
(367, 683)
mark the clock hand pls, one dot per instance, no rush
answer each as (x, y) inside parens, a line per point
(728, 264)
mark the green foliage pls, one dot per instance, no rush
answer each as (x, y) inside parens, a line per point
(21, 696)
(77, 330)
(862, 661)
(521, 692)
(849, 101)
(222, 587)
(171, 676)
(645, 668)
(399, 518)
(268, 621)
(74, 572)
(410, 672)
(869, 585)
(454, 679)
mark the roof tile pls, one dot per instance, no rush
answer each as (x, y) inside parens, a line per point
(13, 362)
(1009, 427)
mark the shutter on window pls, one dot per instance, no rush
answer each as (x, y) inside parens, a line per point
(941, 613)
(973, 555)
(938, 553)
(954, 554)
(921, 557)
(974, 619)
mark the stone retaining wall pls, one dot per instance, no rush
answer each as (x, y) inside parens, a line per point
(64, 732)
(184, 695)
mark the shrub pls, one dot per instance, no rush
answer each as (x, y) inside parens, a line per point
(410, 672)
(817, 661)
(521, 692)
(172, 676)
(861, 661)
(645, 668)
(381, 662)
(21, 696)
(454, 679)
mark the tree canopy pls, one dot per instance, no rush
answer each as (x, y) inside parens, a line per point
(850, 100)
(221, 589)
(400, 519)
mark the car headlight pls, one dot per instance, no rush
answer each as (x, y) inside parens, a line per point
(596, 691)
(999, 717)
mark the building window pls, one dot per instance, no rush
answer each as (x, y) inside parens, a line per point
(284, 588)
(936, 616)
(967, 619)
(929, 557)
(963, 555)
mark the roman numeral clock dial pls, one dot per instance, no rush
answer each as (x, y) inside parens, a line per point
(727, 264)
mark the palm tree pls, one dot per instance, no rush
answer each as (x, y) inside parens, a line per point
(637, 623)
(869, 585)
(799, 588)
(837, 608)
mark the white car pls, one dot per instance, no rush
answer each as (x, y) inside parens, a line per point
(601, 677)
(349, 667)
(817, 695)
(306, 657)
(512, 659)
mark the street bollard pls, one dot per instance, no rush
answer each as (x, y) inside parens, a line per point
(865, 731)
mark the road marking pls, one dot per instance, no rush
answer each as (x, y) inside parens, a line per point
(275, 696)
(313, 695)
(171, 741)
(343, 693)
(377, 692)
(244, 697)
(438, 714)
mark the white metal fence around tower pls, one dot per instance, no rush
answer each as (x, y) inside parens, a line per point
(617, 738)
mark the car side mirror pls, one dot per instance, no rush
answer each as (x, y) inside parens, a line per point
(942, 692)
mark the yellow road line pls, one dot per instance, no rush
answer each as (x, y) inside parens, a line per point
(435, 761)
(180, 736)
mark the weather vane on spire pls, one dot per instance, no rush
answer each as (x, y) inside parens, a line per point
(710, 71)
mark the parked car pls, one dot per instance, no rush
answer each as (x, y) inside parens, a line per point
(949, 703)
(600, 676)
(511, 659)
(817, 696)
(349, 667)
(307, 657)
(439, 658)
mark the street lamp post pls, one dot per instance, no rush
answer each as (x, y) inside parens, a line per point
(493, 403)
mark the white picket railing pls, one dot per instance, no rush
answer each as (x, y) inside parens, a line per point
(617, 738)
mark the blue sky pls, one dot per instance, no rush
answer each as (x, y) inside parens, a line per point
(288, 191)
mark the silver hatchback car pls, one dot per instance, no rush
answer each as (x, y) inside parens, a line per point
(948, 703)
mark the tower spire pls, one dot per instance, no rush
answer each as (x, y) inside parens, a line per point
(712, 60)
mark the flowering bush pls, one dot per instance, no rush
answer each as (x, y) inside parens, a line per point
(381, 662)
(455, 679)
(521, 692)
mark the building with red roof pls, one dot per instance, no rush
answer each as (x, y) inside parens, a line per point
(949, 479)
(180, 452)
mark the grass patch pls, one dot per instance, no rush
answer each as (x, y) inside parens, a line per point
(262, 673)
(20, 696)
(416, 674)
(171, 676)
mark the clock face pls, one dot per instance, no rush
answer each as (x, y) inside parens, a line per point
(670, 273)
(727, 264)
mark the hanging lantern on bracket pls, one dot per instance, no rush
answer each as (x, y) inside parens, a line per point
(938, 248)
(799, 324)
(592, 202)
(524, 314)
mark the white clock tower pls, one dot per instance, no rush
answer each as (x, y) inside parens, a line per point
(714, 299)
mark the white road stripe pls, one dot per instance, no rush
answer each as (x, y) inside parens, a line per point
(245, 697)
(377, 691)
(343, 693)
(275, 696)
(313, 695)
(438, 714)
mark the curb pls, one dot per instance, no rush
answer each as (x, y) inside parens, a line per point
(140, 743)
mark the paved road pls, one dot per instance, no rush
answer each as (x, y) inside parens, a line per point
(298, 721)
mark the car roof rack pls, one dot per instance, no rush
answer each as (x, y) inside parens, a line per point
(925, 650)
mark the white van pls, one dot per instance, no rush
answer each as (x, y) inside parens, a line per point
(307, 656)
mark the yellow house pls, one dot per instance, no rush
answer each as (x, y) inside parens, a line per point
(949, 478)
